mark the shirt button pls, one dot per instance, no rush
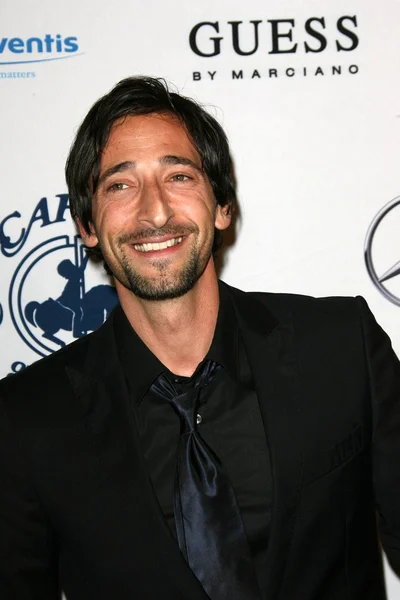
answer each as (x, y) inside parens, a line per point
(199, 418)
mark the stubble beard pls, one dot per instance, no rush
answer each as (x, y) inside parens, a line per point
(163, 285)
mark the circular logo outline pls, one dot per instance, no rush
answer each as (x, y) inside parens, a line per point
(368, 250)
(18, 281)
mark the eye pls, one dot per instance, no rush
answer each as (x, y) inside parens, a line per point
(180, 177)
(117, 187)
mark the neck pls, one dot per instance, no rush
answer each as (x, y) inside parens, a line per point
(178, 331)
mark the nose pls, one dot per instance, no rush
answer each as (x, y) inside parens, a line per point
(155, 209)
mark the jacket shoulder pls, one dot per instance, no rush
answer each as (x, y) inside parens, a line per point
(50, 369)
(303, 306)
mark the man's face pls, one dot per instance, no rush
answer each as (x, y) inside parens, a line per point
(154, 211)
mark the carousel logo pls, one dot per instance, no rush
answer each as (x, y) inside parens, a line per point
(376, 247)
(51, 298)
(19, 51)
(275, 38)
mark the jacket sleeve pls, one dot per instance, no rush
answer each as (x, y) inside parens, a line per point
(384, 374)
(28, 556)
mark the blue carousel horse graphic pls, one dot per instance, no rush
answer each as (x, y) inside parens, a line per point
(74, 310)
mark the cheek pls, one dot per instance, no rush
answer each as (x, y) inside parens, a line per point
(113, 220)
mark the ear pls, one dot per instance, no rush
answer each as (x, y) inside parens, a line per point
(223, 216)
(89, 239)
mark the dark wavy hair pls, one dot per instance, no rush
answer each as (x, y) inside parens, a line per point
(142, 96)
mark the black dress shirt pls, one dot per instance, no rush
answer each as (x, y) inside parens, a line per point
(229, 419)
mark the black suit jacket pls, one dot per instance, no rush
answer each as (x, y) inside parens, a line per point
(76, 501)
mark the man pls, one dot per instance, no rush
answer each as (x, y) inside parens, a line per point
(204, 442)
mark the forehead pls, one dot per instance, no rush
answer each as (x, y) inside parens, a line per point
(153, 135)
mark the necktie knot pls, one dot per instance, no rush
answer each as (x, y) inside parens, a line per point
(185, 404)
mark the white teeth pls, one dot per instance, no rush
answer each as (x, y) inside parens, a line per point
(157, 245)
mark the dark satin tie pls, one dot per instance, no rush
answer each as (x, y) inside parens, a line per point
(209, 525)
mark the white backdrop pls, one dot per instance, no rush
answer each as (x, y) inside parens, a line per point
(315, 138)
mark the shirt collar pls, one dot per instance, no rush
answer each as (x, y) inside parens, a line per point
(225, 345)
(141, 366)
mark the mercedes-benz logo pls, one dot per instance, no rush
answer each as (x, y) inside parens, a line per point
(394, 269)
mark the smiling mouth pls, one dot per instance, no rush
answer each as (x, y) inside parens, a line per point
(152, 247)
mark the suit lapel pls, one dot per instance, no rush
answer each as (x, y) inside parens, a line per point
(270, 348)
(101, 389)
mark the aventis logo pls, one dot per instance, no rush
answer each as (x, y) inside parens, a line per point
(18, 51)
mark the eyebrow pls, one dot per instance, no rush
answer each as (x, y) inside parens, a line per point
(119, 168)
(179, 160)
